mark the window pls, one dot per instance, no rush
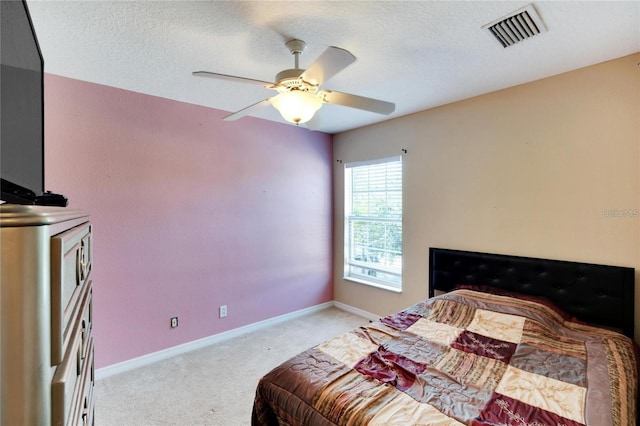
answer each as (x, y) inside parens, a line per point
(373, 222)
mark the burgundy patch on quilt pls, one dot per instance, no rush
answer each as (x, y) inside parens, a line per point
(401, 320)
(478, 344)
(502, 410)
(389, 367)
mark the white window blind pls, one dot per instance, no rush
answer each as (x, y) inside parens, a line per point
(373, 222)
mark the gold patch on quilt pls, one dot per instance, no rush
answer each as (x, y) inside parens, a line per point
(621, 364)
(497, 325)
(404, 410)
(564, 399)
(470, 368)
(435, 331)
(348, 348)
(377, 333)
(451, 312)
(536, 334)
(352, 399)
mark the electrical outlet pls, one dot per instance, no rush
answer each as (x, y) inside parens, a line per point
(223, 311)
(174, 322)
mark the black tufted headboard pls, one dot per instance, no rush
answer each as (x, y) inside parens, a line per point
(597, 294)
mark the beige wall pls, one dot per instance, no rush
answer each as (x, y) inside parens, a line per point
(525, 171)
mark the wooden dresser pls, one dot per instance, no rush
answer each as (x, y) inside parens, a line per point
(46, 299)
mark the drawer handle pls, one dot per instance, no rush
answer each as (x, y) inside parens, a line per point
(79, 276)
(85, 412)
(82, 261)
(83, 336)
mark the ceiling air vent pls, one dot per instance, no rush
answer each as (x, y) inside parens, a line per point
(517, 26)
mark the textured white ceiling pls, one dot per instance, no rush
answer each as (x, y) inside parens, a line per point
(418, 54)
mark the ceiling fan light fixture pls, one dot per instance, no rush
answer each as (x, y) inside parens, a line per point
(298, 97)
(297, 106)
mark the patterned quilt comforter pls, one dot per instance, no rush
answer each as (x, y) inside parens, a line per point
(464, 357)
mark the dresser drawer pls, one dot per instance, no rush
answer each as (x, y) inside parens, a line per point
(86, 320)
(71, 257)
(68, 380)
(86, 404)
(82, 403)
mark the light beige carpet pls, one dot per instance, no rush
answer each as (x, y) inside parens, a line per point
(213, 385)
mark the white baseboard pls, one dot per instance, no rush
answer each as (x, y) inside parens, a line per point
(138, 362)
(356, 311)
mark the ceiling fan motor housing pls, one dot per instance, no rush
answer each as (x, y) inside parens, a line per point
(290, 80)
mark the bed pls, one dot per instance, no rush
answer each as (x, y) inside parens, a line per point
(502, 340)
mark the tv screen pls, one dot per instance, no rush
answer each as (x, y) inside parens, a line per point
(22, 101)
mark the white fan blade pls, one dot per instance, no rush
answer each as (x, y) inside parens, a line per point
(248, 110)
(232, 78)
(359, 102)
(329, 63)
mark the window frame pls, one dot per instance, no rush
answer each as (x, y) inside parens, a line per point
(350, 218)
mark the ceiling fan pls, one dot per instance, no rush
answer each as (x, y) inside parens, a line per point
(299, 96)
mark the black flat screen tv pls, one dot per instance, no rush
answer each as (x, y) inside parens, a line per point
(21, 107)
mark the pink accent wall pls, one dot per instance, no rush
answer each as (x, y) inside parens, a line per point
(189, 213)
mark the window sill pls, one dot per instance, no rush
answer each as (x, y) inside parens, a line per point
(373, 284)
